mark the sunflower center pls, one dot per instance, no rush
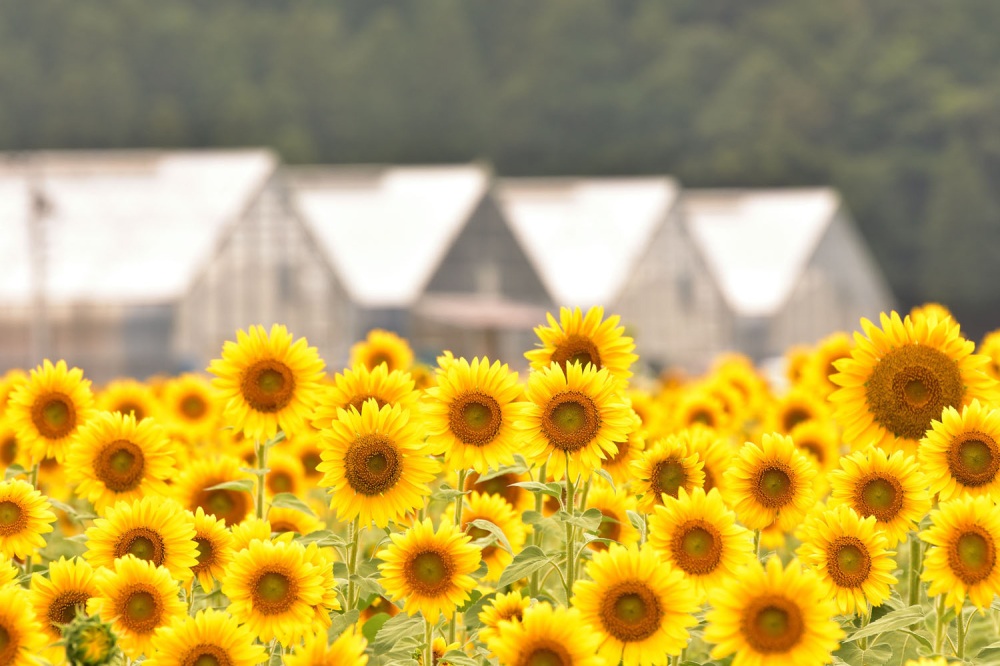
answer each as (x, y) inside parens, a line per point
(972, 555)
(372, 465)
(309, 461)
(280, 482)
(475, 418)
(8, 451)
(377, 358)
(814, 449)
(610, 528)
(141, 610)
(12, 518)
(359, 401)
(880, 497)
(548, 654)
(63, 608)
(430, 572)
(268, 385)
(701, 416)
(668, 475)
(228, 505)
(697, 547)
(120, 465)
(974, 458)
(480, 533)
(274, 593)
(848, 561)
(5, 644)
(570, 421)
(773, 487)
(772, 624)
(206, 654)
(630, 611)
(795, 416)
(132, 408)
(206, 554)
(498, 485)
(576, 349)
(193, 406)
(620, 455)
(144, 543)
(53, 415)
(911, 386)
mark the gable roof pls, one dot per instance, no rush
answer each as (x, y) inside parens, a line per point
(585, 235)
(755, 242)
(385, 229)
(120, 226)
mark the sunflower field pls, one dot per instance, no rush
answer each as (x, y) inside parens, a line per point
(395, 513)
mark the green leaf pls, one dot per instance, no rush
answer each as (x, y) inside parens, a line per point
(456, 658)
(525, 563)
(446, 493)
(638, 522)
(373, 625)
(876, 655)
(531, 517)
(552, 489)
(588, 521)
(495, 530)
(395, 629)
(591, 538)
(520, 468)
(323, 539)
(242, 485)
(275, 659)
(471, 614)
(897, 619)
(13, 471)
(290, 501)
(604, 474)
(277, 439)
(367, 587)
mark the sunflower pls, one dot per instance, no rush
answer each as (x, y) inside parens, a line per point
(820, 441)
(614, 506)
(507, 607)
(215, 548)
(470, 414)
(22, 637)
(796, 359)
(9, 381)
(821, 366)
(795, 407)
(354, 387)
(650, 412)
(699, 407)
(575, 417)
(771, 481)
(901, 377)
(429, 571)
(961, 453)
(665, 467)
(496, 510)
(502, 484)
(619, 465)
(640, 609)
(439, 648)
(990, 346)
(25, 515)
(11, 452)
(374, 464)
(136, 597)
(964, 536)
(286, 475)
(128, 397)
(739, 371)
(323, 560)
(891, 488)
(210, 637)
(546, 636)
(273, 590)
(190, 402)
(773, 616)
(588, 339)
(255, 529)
(929, 310)
(307, 446)
(285, 519)
(57, 598)
(850, 556)
(347, 650)
(48, 410)
(154, 529)
(267, 381)
(9, 571)
(115, 458)
(194, 489)
(713, 450)
(382, 347)
(697, 534)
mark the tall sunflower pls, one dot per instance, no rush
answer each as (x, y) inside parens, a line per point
(215, 548)
(496, 510)
(347, 649)
(773, 616)
(850, 556)
(640, 609)
(796, 407)
(614, 506)
(48, 410)
(588, 339)
(900, 377)
(267, 381)
(429, 571)
(190, 402)
(503, 607)
(22, 637)
(665, 467)
(382, 347)
(195, 487)
(210, 637)
(153, 529)
(25, 515)
(891, 488)
(697, 534)
(960, 454)
(57, 598)
(546, 636)
(821, 366)
(470, 414)
(619, 465)
(128, 397)
(770, 482)
(964, 536)
(575, 416)
(356, 386)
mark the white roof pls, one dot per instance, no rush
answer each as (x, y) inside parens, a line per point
(120, 226)
(757, 242)
(585, 235)
(386, 229)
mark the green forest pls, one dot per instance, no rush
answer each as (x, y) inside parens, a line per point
(895, 102)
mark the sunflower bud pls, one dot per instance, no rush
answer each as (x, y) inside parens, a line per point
(91, 642)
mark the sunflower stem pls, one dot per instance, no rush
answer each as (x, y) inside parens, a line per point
(570, 564)
(939, 625)
(354, 536)
(429, 639)
(460, 500)
(33, 477)
(756, 544)
(583, 495)
(262, 467)
(536, 533)
(914, 566)
(960, 633)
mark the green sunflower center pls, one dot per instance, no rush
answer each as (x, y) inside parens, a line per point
(372, 465)
(974, 459)
(280, 482)
(543, 656)
(972, 556)
(120, 466)
(772, 624)
(53, 415)
(848, 562)
(273, 587)
(668, 476)
(475, 418)
(10, 514)
(430, 568)
(881, 497)
(697, 547)
(193, 406)
(63, 608)
(228, 505)
(570, 421)
(207, 655)
(774, 487)
(630, 611)
(140, 607)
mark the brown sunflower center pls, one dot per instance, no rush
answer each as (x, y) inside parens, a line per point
(193, 406)
(576, 349)
(274, 592)
(773, 486)
(310, 459)
(772, 624)
(697, 547)
(127, 407)
(813, 448)
(546, 653)
(620, 456)
(268, 385)
(668, 475)
(53, 415)
(141, 609)
(480, 533)
(848, 561)
(610, 528)
(8, 647)
(12, 518)
(8, 451)
(570, 421)
(120, 465)
(280, 481)
(498, 485)
(373, 464)
(630, 611)
(359, 400)
(974, 458)
(475, 418)
(378, 357)
(228, 505)
(206, 654)
(63, 608)
(702, 416)
(794, 416)
(430, 573)
(144, 543)
(879, 496)
(206, 554)
(972, 555)
(911, 386)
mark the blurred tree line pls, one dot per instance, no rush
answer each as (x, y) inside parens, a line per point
(896, 102)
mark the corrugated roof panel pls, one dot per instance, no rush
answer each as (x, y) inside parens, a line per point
(757, 242)
(585, 235)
